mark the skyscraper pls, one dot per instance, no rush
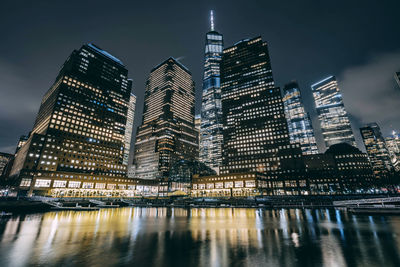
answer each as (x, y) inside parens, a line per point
(77, 142)
(167, 133)
(335, 123)
(299, 122)
(129, 126)
(397, 77)
(377, 151)
(211, 110)
(256, 135)
(393, 146)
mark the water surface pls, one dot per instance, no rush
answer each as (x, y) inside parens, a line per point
(200, 237)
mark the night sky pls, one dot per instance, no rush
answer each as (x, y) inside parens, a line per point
(358, 41)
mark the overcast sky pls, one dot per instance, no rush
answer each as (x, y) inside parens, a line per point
(357, 41)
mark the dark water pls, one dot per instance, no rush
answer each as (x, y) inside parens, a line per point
(200, 237)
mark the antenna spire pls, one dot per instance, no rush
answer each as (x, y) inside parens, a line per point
(212, 19)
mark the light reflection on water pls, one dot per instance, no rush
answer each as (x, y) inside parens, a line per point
(200, 237)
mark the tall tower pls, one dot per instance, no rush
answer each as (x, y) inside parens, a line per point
(299, 122)
(377, 150)
(167, 133)
(77, 141)
(129, 126)
(335, 123)
(256, 137)
(211, 110)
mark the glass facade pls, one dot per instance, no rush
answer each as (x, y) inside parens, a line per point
(335, 123)
(299, 122)
(393, 146)
(211, 110)
(167, 133)
(377, 151)
(79, 132)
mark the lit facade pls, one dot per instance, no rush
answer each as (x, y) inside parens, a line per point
(167, 133)
(393, 146)
(377, 151)
(299, 122)
(129, 127)
(256, 137)
(211, 110)
(335, 123)
(77, 142)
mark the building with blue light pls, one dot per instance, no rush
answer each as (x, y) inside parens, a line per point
(299, 122)
(332, 115)
(211, 110)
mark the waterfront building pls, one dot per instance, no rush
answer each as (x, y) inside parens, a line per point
(129, 126)
(230, 185)
(393, 146)
(299, 122)
(377, 151)
(183, 172)
(342, 169)
(211, 110)
(77, 144)
(256, 137)
(167, 133)
(332, 115)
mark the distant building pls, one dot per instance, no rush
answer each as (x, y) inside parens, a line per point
(211, 110)
(77, 144)
(299, 122)
(377, 151)
(397, 77)
(256, 137)
(4, 159)
(333, 117)
(393, 146)
(167, 133)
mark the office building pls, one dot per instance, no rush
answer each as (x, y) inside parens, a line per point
(77, 144)
(22, 141)
(4, 159)
(211, 110)
(377, 151)
(332, 115)
(167, 133)
(256, 137)
(393, 146)
(299, 122)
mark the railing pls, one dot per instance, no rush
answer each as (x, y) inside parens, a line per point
(366, 201)
(97, 202)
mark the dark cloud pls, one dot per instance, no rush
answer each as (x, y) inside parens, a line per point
(371, 93)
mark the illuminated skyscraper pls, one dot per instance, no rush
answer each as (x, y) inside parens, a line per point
(129, 126)
(77, 143)
(211, 110)
(377, 151)
(255, 132)
(167, 133)
(299, 122)
(393, 146)
(335, 123)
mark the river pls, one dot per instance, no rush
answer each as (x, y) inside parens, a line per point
(200, 237)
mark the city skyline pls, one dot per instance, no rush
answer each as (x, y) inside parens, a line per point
(356, 60)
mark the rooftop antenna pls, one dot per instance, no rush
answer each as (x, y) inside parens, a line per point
(212, 20)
